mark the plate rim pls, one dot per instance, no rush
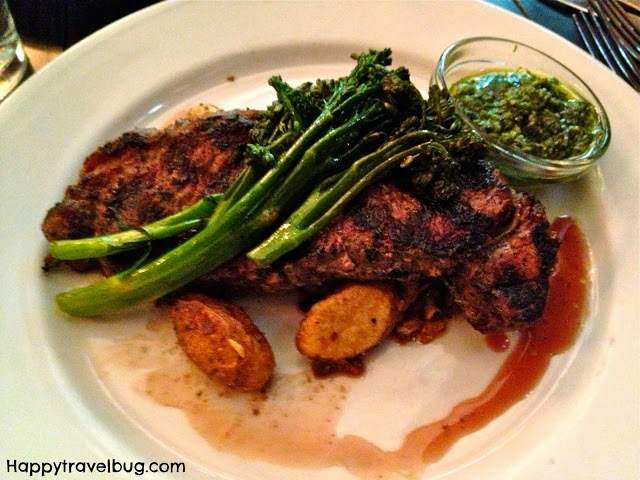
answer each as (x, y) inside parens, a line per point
(84, 48)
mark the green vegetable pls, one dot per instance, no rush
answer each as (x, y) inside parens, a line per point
(194, 217)
(356, 114)
(331, 197)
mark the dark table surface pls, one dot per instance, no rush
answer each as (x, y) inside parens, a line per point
(547, 13)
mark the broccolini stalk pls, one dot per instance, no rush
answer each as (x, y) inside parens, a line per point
(245, 181)
(296, 109)
(308, 109)
(419, 152)
(330, 198)
(204, 251)
(194, 217)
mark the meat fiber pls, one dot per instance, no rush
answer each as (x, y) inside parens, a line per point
(493, 248)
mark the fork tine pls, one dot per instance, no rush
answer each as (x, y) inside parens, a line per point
(588, 34)
(618, 53)
(614, 8)
(601, 46)
(619, 24)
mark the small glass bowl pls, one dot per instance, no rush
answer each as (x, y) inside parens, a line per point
(472, 56)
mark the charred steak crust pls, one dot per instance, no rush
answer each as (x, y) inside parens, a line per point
(390, 233)
(146, 175)
(492, 247)
(504, 286)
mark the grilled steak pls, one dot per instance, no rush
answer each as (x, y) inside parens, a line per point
(146, 175)
(493, 248)
(504, 285)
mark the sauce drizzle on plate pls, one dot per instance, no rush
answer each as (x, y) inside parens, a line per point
(552, 334)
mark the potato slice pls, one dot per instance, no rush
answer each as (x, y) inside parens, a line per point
(221, 340)
(348, 322)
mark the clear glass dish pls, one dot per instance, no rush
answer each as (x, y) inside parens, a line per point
(476, 55)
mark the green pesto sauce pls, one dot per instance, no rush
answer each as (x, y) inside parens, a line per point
(531, 113)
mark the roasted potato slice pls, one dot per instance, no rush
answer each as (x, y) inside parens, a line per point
(348, 322)
(221, 340)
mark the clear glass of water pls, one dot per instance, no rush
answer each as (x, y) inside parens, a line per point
(13, 61)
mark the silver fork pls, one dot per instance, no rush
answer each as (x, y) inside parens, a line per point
(612, 38)
(621, 26)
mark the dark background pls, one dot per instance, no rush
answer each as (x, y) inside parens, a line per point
(62, 23)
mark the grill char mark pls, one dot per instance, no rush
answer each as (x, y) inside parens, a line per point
(145, 175)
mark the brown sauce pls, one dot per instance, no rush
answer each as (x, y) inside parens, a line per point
(552, 334)
(498, 342)
(294, 424)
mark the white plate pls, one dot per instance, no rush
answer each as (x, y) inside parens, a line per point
(580, 422)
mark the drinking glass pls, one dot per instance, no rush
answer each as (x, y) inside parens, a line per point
(13, 61)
